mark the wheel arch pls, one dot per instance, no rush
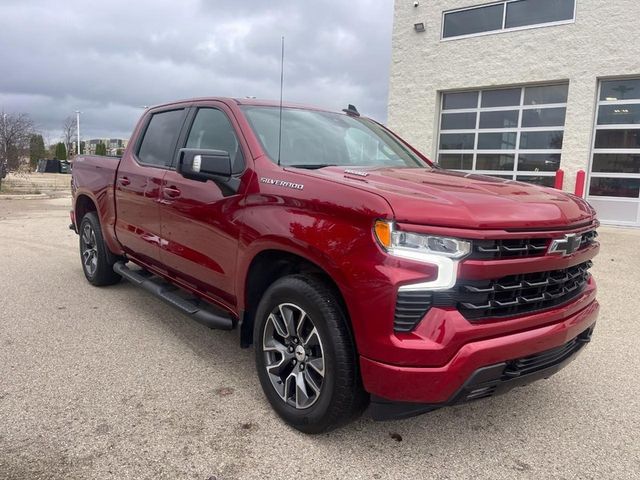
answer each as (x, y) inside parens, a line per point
(83, 205)
(265, 268)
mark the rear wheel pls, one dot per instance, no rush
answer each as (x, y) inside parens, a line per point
(306, 360)
(97, 260)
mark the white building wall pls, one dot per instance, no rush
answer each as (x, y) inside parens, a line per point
(604, 41)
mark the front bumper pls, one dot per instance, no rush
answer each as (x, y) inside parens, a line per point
(476, 366)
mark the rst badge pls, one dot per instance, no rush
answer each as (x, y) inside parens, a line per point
(567, 245)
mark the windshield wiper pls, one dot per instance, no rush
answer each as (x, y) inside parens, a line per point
(313, 166)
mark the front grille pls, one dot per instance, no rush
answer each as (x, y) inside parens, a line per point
(588, 238)
(516, 294)
(548, 358)
(496, 249)
(505, 297)
(517, 248)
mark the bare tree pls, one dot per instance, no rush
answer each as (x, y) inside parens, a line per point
(15, 133)
(68, 132)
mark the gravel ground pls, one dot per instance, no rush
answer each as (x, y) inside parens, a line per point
(111, 383)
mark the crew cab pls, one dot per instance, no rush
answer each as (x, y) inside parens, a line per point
(364, 275)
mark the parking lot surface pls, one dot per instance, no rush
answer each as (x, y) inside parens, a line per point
(112, 383)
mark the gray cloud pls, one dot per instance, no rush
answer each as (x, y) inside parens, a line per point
(108, 59)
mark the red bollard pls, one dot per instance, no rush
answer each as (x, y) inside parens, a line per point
(559, 179)
(580, 180)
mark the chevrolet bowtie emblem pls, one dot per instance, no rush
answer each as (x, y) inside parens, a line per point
(567, 245)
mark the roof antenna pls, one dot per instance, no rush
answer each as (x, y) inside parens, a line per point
(352, 111)
(281, 88)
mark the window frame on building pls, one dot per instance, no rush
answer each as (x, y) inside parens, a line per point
(606, 204)
(518, 130)
(504, 28)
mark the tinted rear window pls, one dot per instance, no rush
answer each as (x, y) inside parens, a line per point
(159, 141)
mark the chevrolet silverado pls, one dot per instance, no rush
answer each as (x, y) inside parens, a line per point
(363, 274)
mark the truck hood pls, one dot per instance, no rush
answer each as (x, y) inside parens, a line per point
(453, 199)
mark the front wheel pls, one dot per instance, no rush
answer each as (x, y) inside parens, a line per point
(305, 357)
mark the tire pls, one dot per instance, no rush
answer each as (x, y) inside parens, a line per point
(97, 261)
(325, 361)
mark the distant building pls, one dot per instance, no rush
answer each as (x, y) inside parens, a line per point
(91, 145)
(114, 146)
(520, 88)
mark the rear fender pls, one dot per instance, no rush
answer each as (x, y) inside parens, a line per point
(104, 207)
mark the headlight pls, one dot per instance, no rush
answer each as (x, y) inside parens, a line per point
(414, 244)
(444, 252)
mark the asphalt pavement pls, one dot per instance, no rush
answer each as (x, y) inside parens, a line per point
(111, 383)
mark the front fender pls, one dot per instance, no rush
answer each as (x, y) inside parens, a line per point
(336, 236)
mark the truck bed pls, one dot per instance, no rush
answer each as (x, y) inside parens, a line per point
(88, 169)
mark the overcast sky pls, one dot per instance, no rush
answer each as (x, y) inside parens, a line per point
(110, 58)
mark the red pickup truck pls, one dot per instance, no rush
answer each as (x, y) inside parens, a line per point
(362, 273)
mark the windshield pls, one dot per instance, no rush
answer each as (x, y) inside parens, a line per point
(313, 139)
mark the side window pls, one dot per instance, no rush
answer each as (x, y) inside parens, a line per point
(159, 141)
(212, 130)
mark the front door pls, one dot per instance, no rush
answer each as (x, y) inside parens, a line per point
(138, 185)
(200, 230)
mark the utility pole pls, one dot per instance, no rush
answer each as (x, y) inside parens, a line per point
(4, 132)
(78, 112)
(3, 162)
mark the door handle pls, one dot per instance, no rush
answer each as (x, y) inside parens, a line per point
(124, 181)
(171, 192)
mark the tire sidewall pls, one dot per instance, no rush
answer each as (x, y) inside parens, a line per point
(104, 274)
(293, 290)
(86, 220)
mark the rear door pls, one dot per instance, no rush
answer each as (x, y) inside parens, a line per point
(138, 184)
(200, 227)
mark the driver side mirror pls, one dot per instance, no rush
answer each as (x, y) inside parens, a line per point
(202, 165)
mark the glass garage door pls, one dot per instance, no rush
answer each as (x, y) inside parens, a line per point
(513, 132)
(614, 181)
